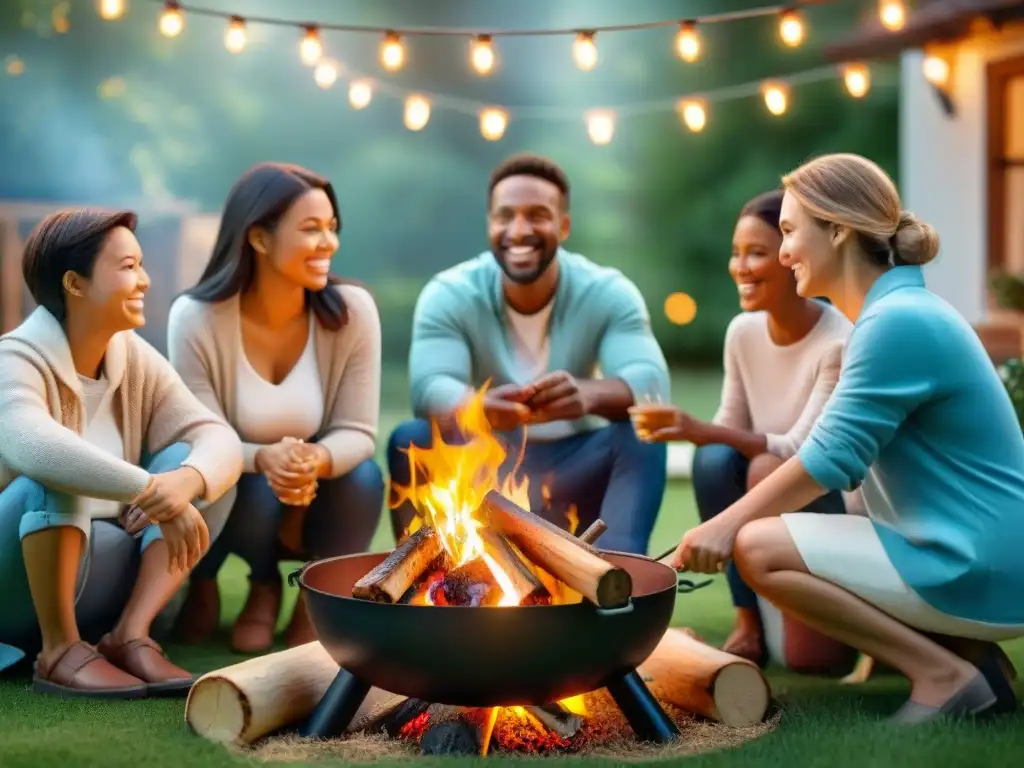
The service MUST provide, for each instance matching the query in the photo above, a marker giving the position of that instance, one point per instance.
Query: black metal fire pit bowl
(487, 656)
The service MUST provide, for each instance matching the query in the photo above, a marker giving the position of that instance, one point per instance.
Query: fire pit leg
(642, 710)
(336, 709)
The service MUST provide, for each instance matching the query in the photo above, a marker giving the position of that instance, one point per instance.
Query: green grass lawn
(823, 724)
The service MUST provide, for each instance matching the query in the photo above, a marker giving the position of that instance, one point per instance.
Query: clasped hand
(553, 397)
(292, 468)
(168, 501)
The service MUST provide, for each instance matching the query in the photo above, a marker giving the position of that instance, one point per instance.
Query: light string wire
(635, 109)
(710, 18)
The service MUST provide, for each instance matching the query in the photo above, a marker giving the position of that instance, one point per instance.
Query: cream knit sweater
(42, 417)
(203, 340)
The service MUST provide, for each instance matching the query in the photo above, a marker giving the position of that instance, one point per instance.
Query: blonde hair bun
(915, 242)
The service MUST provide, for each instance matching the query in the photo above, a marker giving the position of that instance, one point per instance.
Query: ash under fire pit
(482, 657)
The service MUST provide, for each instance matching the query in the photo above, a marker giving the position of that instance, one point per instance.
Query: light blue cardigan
(920, 406)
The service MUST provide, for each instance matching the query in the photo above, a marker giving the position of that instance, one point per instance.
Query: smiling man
(567, 347)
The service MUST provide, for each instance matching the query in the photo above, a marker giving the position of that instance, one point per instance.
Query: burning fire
(457, 478)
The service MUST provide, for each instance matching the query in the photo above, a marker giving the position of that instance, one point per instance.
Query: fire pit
(486, 604)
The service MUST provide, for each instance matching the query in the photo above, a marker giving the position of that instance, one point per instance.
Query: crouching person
(104, 457)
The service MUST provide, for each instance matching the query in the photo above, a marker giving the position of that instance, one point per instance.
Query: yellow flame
(458, 477)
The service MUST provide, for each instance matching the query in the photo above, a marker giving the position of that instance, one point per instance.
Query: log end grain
(614, 588)
(219, 711)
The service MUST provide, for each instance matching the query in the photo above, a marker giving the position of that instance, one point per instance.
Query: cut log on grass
(246, 701)
(388, 581)
(693, 676)
(560, 553)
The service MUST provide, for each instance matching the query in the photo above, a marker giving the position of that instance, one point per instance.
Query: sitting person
(931, 578)
(291, 357)
(782, 359)
(537, 322)
(83, 400)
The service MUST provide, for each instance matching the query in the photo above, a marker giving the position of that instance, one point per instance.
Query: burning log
(693, 676)
(557, 719)
(522, 580)
(389, 580)
(560, 553)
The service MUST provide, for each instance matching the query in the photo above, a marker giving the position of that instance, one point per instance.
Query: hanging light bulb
(110, 9)
(857, 79)
(481, 54)
(172, 20)
(776, 97)
(325, 74)
(935, 70)
(493, 122)
(310, 48)
(601, 126)
(892, 14)
(392, 52)
(234, 37)
(584, 50)
(688, 42)
(791, 28)
(693, 114)
(417, 113)
(360, 93)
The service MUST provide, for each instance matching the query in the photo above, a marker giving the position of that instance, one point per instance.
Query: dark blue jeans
(341, 520)
(719, 481)
(606, 474)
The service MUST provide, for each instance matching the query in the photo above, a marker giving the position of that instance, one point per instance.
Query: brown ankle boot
(300, 631)
(200, 614)
(254, 628)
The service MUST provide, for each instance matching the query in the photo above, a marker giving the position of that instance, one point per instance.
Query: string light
(360, 93)
(325, 74)
(857, 79)
(892, 14)
(234, 37)
(481, 54)
(493, 122)
(110, 9)
(680, 308)
(310, 47)
(601, 126)
(693, 114)
(584, 50)
(172, 20)
(935, 70)
(392, 52)
(791, 28)
(688, 42)
(417, 113)
(776, 97)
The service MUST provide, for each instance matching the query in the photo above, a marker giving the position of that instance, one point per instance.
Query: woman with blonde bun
(931, 578)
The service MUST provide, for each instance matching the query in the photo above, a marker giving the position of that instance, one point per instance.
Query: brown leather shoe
(254, 628)
(81, 671)
(200, 614)
(145, 659)
(300, 630)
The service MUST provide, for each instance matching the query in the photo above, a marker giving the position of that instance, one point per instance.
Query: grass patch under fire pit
(822, 723)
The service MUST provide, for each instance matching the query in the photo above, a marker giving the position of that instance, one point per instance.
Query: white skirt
(846, 551)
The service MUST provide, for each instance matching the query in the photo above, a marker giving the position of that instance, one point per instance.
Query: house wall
(943, 165)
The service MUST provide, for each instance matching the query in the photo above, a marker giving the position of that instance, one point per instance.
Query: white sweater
(779, 391)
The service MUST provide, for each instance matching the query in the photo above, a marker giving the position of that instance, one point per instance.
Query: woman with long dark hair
(290, 356)
(782, 358)
(105, 462)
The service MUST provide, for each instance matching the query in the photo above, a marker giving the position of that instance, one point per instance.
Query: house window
(1006, 165)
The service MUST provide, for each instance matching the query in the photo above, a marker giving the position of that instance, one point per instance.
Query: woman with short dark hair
(105, 454)
(290, 355)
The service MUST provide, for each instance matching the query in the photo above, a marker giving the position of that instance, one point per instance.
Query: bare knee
(760, 467)
(764, 547)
